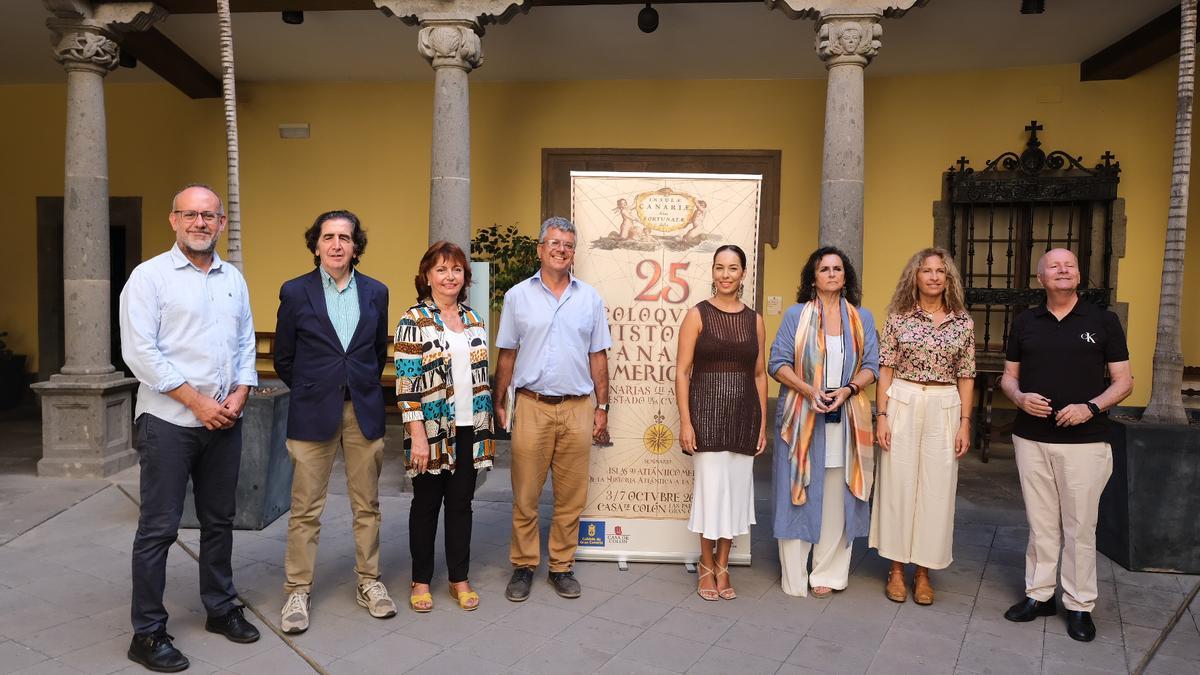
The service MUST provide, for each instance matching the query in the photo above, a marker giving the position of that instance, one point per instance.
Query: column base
(86, 425)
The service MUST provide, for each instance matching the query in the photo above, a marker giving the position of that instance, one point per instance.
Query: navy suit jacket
(309, 358)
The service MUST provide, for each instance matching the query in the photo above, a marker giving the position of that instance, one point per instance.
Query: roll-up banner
(645, 241)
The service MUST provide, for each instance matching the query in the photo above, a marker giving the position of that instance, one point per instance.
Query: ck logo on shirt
(1087, 337)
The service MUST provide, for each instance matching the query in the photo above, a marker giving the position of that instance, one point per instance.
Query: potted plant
(13, 383)
(512, 255)
(1149, 510)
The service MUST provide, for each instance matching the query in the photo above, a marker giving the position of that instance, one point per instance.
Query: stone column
(450, 41)
(848, 33)
(846, 43)
(454, 50)
(87, 407)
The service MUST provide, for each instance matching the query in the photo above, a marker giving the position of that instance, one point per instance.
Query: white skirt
(722, 495)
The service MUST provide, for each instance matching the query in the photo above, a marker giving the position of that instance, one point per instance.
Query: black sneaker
(518, 585)
(564, 584)
(155, 652)
(233, 626)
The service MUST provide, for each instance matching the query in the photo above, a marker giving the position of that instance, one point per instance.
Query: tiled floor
(64, 599)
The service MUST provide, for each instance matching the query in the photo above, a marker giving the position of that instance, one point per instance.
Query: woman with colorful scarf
(824, 355)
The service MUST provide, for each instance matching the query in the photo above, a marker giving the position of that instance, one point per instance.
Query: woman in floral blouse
(923, 422)
(443, 391)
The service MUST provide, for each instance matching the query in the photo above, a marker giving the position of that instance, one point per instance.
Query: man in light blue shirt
(553, 342)
(188, 336)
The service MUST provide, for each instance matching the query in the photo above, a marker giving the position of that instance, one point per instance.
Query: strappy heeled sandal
(728, 593)
(415, 598)
(709, 594)
(464, 597)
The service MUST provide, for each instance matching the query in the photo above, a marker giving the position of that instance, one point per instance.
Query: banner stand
(645, 242)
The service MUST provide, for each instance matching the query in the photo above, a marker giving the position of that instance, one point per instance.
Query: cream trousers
(912, 515)
(1061, 483)
(831, 555)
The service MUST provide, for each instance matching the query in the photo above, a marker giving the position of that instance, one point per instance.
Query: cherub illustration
(629, 222)
(692, 234)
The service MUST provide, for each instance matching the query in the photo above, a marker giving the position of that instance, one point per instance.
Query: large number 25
(649, 293)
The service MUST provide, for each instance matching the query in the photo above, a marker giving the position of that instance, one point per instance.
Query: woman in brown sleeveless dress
(721, 389)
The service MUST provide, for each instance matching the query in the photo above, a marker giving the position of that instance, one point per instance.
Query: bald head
(197, 188)
(1055, 254)
(1058, 270)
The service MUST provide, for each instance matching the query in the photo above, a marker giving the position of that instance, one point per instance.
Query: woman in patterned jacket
(443, 392)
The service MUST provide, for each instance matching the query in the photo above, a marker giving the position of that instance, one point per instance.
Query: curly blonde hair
(906, 296)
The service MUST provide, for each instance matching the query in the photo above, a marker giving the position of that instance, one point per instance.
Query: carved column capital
(81, 45)
(851, 39)
(450, 44)
(84, 36)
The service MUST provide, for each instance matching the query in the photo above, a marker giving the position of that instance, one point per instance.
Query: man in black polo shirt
(1058, 356)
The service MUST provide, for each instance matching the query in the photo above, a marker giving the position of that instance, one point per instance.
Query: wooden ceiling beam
(156, 51)
(1144, 47)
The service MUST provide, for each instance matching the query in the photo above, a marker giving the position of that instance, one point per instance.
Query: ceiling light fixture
(294, 17)
(648, 19)
(1033, 6)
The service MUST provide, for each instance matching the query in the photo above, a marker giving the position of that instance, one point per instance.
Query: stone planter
(264, 488)
(13, 383)
(1150, 508)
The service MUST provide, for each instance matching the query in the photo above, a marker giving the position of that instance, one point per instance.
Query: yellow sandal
(415, 598)
(463, 597)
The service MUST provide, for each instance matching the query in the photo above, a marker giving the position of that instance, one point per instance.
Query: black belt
(552, 400)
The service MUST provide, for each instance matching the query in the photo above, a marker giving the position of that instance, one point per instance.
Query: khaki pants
(912, 517)
(313, 462)
(1061, 483)
(830, 555)
(555, 439)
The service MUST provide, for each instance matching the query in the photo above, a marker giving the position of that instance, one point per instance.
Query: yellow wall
(370, 146)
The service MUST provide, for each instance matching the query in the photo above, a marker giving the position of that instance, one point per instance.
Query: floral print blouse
(425, 386)
(919, 351)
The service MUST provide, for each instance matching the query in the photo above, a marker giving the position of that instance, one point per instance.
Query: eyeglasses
(209, 217)
(558, 244)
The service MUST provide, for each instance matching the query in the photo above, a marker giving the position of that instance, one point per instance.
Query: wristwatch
(1093, 407)
(602, 406)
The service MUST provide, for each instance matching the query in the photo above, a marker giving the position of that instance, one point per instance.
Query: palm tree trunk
(1166, 398)
(233, 237)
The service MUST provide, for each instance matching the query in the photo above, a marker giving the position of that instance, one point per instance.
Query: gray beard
(207, 250)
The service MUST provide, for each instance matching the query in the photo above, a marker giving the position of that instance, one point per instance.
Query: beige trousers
(1061, 483)
(831, 555)
(912, 514)
(554, 439)
(312, 462)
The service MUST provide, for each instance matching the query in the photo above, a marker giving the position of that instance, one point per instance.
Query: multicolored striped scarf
(799, 419)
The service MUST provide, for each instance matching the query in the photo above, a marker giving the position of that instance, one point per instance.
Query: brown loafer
(922, 591)
(895, 590)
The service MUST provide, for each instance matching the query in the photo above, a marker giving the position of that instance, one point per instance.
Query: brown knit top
(723, 398)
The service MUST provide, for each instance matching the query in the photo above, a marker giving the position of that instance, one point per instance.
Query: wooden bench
(264, 356)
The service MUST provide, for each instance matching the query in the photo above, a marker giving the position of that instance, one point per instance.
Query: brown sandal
(922, 590)
(725, 593)
(895, 590)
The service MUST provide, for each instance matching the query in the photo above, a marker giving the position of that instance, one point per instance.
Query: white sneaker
(374, 596)
(295, 614)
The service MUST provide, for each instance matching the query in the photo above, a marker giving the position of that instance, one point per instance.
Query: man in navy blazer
(330, 349)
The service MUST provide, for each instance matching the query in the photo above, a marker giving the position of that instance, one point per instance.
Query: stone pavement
(64, 604)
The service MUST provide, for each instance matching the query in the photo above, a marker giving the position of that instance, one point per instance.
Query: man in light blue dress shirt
(188, 336)
(553, 342)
